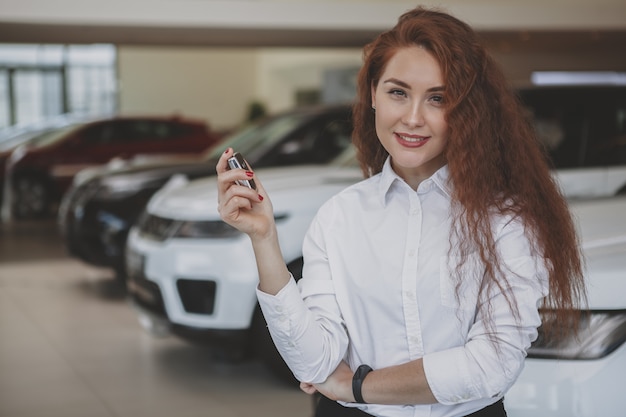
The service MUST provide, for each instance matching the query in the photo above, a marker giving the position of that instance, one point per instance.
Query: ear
(373, 93)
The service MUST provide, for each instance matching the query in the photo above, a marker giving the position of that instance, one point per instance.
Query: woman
(421, 284)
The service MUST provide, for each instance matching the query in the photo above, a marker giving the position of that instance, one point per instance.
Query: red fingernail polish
(227, 149)
(250, 174)
(260, 197)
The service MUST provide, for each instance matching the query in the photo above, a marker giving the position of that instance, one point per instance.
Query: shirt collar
(388, 177)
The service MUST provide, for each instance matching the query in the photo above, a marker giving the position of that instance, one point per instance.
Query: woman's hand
(337, 387)
(247, 210)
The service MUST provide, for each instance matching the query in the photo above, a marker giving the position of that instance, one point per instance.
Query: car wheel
(30, 197)
(262, 341)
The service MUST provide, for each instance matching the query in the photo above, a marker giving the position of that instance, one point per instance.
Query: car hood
(602, 231)
(289, 188)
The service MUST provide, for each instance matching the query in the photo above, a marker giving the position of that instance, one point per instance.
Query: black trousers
(329, 408)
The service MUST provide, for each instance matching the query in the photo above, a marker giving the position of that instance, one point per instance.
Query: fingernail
(250, 174)
(260, 197)
(227, 150)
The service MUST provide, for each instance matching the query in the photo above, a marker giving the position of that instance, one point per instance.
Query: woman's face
(410, 121)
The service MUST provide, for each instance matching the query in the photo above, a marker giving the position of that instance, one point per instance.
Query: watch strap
(357, 382)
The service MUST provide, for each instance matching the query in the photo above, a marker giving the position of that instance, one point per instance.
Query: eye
(397, 92)
(437, 99)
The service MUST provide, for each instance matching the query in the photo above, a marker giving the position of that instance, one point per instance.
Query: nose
(413, 116)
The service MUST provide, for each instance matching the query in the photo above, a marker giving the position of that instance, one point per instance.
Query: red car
(40, 173)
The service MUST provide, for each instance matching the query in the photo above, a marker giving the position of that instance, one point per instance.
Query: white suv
(580, 377)
(191, 273)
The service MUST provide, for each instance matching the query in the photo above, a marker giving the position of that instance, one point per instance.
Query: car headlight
(599, 334)
(216, 229)
(206, 229)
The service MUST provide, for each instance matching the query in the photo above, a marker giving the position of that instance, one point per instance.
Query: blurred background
(93, 90)
(212, 59)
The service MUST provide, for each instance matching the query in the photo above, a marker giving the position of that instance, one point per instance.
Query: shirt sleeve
(493, 356)
(304, 319)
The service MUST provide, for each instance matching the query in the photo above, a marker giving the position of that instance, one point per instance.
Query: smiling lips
(412, 141)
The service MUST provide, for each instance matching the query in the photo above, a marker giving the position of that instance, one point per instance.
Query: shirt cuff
(448, 376)
(280, 296)
(279, 309)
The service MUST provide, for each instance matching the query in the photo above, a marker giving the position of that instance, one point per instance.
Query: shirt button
(412, 253)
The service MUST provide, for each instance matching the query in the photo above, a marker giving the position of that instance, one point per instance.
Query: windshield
(52, 136)
(255, 139)
(26, 137)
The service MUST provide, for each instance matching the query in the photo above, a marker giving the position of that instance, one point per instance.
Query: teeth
(408, 139)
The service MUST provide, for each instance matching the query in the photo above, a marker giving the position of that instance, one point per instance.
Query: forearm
(395, 385)
(400, 384)
(273, 273)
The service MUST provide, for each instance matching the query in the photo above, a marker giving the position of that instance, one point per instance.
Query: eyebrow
(405, 85)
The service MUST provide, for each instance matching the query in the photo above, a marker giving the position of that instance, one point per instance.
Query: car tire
(31, 197)
(264, 347)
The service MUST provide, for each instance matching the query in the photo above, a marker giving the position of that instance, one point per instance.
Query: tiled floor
(71, 346)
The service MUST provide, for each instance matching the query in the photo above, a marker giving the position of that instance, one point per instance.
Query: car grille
(156, 228)
(198, 297)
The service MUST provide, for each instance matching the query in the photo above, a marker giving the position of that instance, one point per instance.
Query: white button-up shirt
(379, 288)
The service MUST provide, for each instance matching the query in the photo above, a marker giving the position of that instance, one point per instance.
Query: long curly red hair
(494, 158)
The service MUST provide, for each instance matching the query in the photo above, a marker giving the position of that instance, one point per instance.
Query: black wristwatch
(357, 382)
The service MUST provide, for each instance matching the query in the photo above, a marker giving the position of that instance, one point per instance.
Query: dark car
(97, 213)
(583, 129)
(28, 135)
(42, 172)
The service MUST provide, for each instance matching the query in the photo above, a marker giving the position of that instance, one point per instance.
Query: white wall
(283, 71)
(218, 84)
(208, 83)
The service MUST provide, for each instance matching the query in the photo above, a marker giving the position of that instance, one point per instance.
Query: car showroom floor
(71, 345)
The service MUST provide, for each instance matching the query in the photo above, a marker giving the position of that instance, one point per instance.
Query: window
(102, 133)
(39, 82)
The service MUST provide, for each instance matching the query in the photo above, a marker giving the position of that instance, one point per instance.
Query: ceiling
(534, 25)
(546, 41)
